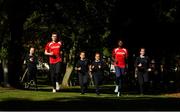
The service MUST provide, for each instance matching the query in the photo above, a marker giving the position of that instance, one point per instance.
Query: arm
(126, 58)
(92, 67)
(77, 67)
(48, 53)
(149, 68)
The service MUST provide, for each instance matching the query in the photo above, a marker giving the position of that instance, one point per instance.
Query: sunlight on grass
(48, 95)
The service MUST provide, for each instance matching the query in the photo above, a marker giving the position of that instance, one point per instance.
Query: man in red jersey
(53, 50)
(119, 56)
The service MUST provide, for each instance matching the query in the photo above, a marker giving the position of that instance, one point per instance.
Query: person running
(82, 67)
(53, 50)
(97, 69)
(119, 56)
(142, 65)
(31, 60)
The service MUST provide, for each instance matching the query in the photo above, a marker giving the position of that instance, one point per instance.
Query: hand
(149, 69)
(115, 61)
(77, 68)
(51, 54)
(93, 66)
(99, 66)
(31, 59)
(139, 65)
(135, 75)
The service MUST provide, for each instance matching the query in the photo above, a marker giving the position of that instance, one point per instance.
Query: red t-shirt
(120, 55)
(54, 47)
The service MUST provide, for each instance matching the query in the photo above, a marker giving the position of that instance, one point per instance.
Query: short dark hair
(120, 41)
(31, 46)
(82, 52)
(54, 33)
(97, 53)
(142, 48)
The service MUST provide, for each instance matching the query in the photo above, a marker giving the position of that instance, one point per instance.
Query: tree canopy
(89, 25)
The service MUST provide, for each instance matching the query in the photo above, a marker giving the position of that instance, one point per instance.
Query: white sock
(116, 89)
(57, 86)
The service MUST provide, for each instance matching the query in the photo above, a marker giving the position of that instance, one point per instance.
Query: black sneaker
(82, 93)
(98, 93)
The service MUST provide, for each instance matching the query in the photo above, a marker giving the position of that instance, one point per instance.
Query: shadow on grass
(88, 103)
(105, 89)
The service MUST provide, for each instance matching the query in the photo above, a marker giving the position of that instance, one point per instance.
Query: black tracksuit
(83, 74)
(142, 73)
(98, 73)
(31, 62)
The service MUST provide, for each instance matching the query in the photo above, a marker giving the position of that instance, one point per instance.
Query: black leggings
(142, 80)
(98, 79)
(55, 70)
(31, 73)
(83, 81)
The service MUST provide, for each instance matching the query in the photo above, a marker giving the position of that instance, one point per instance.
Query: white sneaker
(54, 91)
(57, 86)
(116, 89)
(119, 94)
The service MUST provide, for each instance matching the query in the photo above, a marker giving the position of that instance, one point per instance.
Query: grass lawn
(70, 99)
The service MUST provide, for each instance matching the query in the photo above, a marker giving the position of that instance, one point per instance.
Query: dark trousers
(143, 81)
(31, 74)
(83, 81)
(98, 79)
(55, 73)
(119, 76)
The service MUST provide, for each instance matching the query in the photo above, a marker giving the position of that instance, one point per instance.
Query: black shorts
(55, 68)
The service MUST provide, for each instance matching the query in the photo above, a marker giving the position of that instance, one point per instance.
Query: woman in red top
(53, 50)
(119, 57)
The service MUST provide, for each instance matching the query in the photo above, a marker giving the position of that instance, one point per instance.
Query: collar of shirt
(97, 60)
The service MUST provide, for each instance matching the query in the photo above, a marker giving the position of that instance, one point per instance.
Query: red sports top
(54, 47)
(120, 55)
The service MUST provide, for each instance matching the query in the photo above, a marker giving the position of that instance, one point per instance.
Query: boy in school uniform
(97, 69)
(82, 67)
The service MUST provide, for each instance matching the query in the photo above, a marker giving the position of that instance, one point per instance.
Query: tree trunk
(70, 63)
(5, 72)
(65, 82)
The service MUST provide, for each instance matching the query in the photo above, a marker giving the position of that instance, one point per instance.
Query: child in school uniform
(97, 69)
(31, 61)
(82, 67)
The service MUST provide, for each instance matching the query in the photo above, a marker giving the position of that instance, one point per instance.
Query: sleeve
(96, 68)
(47, 47)
(113, 52)
(126, 57)
(92, 64)
(77, 64)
